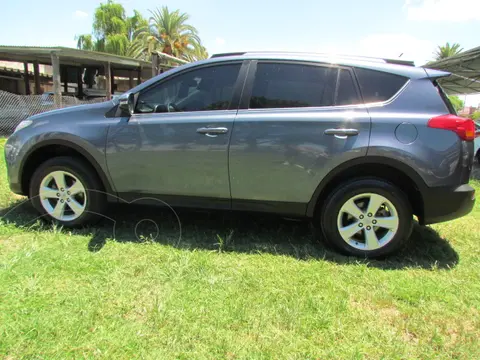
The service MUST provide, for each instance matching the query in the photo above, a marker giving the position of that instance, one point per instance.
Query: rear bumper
(443, 204)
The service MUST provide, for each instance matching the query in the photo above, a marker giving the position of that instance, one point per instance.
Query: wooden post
(80, 82)
(26, 78)
(57, 85)
(112, 76)
(139, 75)
(65, 79)
(154, 65)
(108, 81)
(130, 79)
(36, 76)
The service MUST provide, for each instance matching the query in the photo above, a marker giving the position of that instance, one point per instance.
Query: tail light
(465, 128)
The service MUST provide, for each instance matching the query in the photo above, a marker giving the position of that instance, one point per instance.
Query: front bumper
(12, 151)
(443, 204)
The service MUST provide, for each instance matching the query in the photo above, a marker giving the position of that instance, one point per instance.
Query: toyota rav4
(358, 145)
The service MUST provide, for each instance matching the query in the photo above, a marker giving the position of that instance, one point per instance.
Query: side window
(346, 91)
(209, 88)
(378, 86)
(292, 85)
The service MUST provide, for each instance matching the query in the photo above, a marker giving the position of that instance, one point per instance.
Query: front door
(297, 121)
(176, 143)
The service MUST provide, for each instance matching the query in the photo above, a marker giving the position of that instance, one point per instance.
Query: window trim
(236, 94)
(445, 98)
(250, 80)
(356, 85)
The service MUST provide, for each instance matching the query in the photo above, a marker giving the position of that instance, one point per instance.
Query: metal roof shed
(465, 69)
(62, 59)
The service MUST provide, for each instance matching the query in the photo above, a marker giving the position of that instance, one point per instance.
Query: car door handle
(212, 131)
(341, 132)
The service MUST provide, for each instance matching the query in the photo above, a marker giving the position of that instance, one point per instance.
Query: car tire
(80, 202)
(379, 234)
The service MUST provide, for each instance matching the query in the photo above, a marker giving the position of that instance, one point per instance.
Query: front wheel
(67, 190)
(366, 218)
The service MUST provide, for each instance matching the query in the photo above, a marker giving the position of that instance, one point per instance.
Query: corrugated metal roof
(465, 69)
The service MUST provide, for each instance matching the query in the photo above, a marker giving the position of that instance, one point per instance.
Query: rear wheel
(367, 218)
(67, 190)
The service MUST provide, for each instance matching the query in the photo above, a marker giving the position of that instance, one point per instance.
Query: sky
(410, 29)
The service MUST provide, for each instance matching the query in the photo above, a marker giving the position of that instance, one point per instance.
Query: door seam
(231, 134)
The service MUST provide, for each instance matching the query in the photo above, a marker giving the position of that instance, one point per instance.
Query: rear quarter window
(378, 86)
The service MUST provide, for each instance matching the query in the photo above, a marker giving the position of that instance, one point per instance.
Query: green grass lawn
(233, 286)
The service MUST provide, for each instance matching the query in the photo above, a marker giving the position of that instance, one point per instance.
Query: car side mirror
(127, 104)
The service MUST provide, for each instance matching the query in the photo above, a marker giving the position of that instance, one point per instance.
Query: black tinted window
(208, 88)
(291, 85)
(346, 92)
(378, 86)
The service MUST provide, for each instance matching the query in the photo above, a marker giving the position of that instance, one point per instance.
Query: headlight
(23, 124)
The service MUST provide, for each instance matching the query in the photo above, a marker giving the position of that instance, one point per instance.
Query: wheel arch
(45, 150)
(393, 171)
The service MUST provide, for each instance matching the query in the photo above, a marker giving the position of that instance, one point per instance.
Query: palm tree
(199, 53)
(169, 33)
(447, 50)
(143, 45)
(134, 23)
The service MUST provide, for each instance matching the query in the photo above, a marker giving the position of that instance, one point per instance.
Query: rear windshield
(377, 86)
(445, 98)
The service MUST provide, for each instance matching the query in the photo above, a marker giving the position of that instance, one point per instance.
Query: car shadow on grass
(224, 231)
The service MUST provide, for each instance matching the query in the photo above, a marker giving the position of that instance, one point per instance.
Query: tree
(168, 32)
(113, 31)
(134, 23)
(456, 102)
(85, 42)
(165, 31)
(475, 115)
(199, 53)
(447, 50)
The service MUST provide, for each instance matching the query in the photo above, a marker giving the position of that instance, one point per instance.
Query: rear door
(297, 121)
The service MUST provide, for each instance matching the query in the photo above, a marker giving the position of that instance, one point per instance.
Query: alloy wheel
(63, 196)
(367, 221)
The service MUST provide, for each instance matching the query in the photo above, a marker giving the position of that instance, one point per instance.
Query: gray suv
(358, 145)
